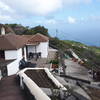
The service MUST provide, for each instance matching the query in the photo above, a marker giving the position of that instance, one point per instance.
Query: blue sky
(74, 19)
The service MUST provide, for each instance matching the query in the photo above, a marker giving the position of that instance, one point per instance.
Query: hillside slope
(90, 55)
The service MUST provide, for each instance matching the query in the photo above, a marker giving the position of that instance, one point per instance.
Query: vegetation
(74, 43)
(54, 61)
(59, 44)
(89, 54)
(19, 29)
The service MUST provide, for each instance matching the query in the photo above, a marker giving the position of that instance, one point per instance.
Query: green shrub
(54, 61)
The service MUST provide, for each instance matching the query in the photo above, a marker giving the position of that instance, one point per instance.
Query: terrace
(41, 84)
(34, 84)
(10, 89)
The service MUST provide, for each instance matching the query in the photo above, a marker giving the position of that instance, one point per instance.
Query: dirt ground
(94, 93)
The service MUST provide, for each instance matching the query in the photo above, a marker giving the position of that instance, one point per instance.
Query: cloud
(5, 12)
(4, 7)
(18, 9)
(71, 20)
(38, 7)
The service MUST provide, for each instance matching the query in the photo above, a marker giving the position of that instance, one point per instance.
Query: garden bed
(40, 78)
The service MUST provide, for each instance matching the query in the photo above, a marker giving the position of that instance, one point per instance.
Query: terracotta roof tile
(27, 36)
(11, 42)
(37, 38)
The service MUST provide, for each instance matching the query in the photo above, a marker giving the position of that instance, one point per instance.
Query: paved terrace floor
(10, 90)
(41, 62)
(75, 70)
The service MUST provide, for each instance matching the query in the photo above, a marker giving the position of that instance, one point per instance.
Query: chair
(30, 55)
(39, 54)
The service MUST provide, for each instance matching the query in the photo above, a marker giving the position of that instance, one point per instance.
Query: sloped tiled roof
(27, 36)
(11, 42)
(37, 38)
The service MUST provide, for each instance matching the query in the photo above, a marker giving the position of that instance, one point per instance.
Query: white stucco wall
(14, 54)
(13, 67)
(42, 47)
(10, 54)
(19, 54)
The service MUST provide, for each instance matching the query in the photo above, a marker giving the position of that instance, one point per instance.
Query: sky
(77, 20)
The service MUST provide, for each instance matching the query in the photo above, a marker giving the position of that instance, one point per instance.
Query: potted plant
(55, 63)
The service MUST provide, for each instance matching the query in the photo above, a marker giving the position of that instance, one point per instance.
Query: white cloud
(16, 9)
(4, 18)
(5, 12)
(5, 7)
(38, 7)
(71, 20)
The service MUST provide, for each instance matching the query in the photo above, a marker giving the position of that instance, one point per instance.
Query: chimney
(2, 30)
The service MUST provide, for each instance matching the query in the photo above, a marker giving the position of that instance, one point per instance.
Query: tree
(40, 29)
(20, 29)
(35, 30)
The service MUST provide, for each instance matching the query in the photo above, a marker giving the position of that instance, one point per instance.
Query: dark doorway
(2, 54)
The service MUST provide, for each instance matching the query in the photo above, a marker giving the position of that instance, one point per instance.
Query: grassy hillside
(90, 55)
(78, 44)
(74, 43)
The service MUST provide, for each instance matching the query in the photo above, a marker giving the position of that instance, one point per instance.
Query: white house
(12, 50)
(37, 44)
(13, 47)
